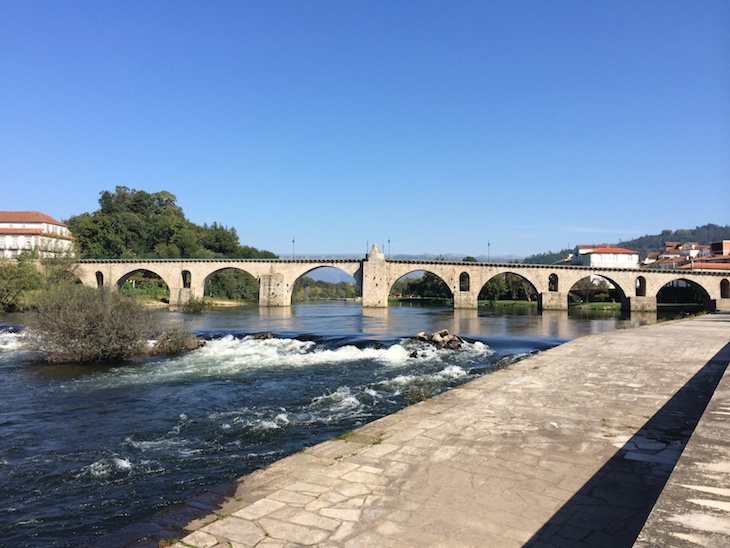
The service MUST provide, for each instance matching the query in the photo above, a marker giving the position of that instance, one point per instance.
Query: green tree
(221, 240)
(493, 289)
(16, 282)
(428, 286)
(232, 284)
(585, 287)
(133, 223)
(309, 289)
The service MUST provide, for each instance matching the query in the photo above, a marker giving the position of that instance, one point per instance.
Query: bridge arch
(516, 285)
(120, 281)
(685, 288)
(228, 282)
(613, 285)
(724, 289)
(296, 289)
(430, 276)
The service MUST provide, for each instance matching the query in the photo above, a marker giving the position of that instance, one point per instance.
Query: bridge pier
(375, 286)
(466, 300)
(642, 304)
(273, 290)
(722, 305)
(552, 300)
(179, 296)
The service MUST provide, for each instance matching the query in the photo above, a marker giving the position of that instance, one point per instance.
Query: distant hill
(702, 234)
(455, 257)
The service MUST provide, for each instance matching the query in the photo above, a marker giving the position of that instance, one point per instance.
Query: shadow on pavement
(612, 507)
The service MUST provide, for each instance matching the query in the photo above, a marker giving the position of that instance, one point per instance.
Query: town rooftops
(613, 249)
(27, 217)
(706, 264)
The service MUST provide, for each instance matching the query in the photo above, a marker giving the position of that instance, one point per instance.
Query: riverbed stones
(441, 339)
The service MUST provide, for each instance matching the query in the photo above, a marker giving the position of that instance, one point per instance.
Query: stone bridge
(186, 278)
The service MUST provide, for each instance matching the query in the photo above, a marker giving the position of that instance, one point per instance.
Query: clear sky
(438, 125)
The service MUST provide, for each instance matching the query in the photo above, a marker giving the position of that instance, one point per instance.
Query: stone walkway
(571, 447)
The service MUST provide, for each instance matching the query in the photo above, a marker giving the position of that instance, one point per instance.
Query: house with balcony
(33, 232)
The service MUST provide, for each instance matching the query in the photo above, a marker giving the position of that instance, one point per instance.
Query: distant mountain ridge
(705, 235)
(455, 257)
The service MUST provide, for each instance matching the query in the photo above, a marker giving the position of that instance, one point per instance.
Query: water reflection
(348, 318)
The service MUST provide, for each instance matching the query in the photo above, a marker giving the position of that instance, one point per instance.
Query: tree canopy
(133, 223)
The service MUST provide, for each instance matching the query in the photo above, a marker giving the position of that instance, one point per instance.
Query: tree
(493, 289)
(586, 287)
(233, 284)
(16, 281)
(220, 239)
(133, 223)
(428, 286)
(308, 289)
(469, 259)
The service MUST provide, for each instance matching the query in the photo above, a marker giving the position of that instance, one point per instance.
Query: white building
(605, 256)
(29, 231)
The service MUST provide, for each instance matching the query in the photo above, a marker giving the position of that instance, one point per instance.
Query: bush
(74, 323)
(196, 306)
(175, 341)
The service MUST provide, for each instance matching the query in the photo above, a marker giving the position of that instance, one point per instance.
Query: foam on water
(108, 467)
(10, 341)
(231, 356)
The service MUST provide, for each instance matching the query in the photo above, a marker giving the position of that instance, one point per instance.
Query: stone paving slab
(694, 507)
(570, 447)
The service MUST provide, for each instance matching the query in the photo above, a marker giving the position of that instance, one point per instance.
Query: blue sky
(438, 125)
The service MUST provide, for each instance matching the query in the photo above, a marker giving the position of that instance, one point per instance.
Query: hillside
(705, 234)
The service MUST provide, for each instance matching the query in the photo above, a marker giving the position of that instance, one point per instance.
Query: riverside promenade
(592, 443)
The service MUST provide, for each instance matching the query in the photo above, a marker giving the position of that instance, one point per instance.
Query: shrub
(196, 306)
(74, 323)
(175, 341)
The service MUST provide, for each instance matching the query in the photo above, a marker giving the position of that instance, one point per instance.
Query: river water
(86, 450)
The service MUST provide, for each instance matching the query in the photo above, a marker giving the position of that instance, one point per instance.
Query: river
(86, 450)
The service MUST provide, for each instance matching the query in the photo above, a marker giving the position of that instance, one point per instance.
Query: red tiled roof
(708, 265)
(616, 250)
(27, 217)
